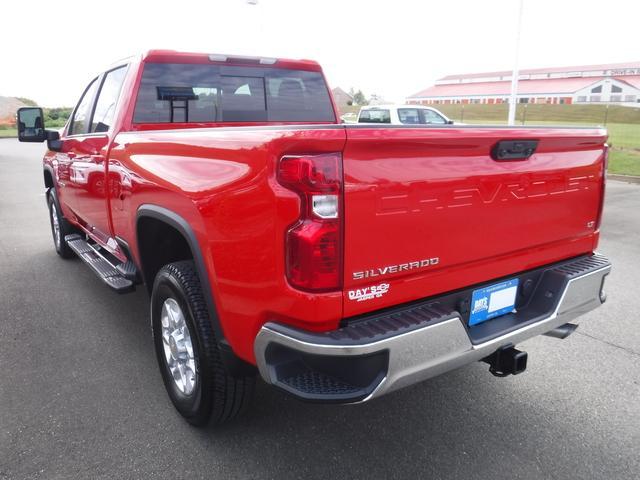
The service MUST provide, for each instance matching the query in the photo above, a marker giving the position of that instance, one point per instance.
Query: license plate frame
(493, 301)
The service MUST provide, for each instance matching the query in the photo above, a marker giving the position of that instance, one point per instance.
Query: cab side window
(82, 114)
(107, 99)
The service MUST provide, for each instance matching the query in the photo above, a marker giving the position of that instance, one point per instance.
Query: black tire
(64, 228)
(216, 396)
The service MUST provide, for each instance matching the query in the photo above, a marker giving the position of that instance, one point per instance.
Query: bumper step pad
(352, 378)
(582, 266)
(113, 276)
(317, 383)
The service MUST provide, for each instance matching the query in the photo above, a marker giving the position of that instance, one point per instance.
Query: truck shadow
(465, 424)
(456, 426)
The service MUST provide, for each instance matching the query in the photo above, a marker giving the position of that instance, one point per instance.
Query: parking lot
(81, 395)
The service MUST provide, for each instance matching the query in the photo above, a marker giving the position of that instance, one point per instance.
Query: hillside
(8, 107)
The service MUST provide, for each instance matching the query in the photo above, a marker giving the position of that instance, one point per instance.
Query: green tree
(56, 117)
(359, 98)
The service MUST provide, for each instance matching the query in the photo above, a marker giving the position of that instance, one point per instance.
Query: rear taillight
(314, 242)
(605, 166)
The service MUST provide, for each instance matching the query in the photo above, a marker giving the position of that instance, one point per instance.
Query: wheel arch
(148, 214)
(150, 218)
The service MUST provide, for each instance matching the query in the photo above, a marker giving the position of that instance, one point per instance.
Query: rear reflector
(605, 167)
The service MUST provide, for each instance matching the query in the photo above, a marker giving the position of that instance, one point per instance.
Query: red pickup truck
(343, 261)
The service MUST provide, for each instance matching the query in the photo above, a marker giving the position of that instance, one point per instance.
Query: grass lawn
(623, 125)
(624, 162)
(624, 135)
(624, 139)
(11, 132)
(537, 113)
(621, 135)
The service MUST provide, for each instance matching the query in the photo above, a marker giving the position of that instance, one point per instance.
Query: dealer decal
(368, 293)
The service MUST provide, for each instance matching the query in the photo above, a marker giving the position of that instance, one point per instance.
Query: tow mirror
(31, 125)
(31, 128)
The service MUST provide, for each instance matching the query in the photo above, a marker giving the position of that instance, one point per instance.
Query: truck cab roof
(173, 56)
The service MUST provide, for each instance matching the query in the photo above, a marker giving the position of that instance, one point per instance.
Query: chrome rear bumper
(388, 351)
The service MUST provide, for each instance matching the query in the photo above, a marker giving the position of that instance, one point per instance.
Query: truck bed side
(222, 182)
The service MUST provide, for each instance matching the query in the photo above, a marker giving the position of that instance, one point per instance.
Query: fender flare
(48, 169)
(235, 365)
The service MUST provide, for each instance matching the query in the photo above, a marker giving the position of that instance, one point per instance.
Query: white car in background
(402, 115)
(349, 117)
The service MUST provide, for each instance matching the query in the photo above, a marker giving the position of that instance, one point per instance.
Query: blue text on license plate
(493, 301)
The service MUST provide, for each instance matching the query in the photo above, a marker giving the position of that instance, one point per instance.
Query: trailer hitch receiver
(507, 360)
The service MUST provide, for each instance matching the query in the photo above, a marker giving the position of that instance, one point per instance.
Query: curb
(623, 178)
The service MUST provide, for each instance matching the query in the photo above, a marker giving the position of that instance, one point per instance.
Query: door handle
(506, 150)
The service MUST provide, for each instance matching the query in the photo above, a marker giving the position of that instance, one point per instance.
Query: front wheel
(60, 228)
(188, 352)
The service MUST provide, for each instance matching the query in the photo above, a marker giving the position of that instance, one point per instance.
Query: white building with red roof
(617, 83)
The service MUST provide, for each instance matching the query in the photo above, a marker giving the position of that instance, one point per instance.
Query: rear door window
(107, 99)
(409, 116)
(193, 93)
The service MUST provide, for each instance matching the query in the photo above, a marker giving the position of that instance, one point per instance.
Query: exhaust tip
(563, 331)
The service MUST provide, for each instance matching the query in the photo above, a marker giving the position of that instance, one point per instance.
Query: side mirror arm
(53, 140)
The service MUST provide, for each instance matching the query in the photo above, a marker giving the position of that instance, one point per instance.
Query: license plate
(493, 301)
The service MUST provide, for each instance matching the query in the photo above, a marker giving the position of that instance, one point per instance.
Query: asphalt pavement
(81, 395)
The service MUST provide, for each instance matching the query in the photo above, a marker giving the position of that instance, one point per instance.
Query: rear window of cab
(193, 93)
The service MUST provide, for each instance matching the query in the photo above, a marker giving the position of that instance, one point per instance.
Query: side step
(119, 277)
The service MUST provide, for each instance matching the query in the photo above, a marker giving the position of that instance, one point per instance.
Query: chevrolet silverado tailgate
(431, 210)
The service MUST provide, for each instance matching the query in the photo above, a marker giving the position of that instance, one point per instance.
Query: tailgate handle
(513, 149)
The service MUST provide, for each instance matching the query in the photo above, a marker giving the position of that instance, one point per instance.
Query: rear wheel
(188, 353)
(60, 228)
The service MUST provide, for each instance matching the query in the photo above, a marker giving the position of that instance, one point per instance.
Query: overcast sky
(392, 48)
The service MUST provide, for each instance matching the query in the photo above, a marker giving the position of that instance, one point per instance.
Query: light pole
(514, 75)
